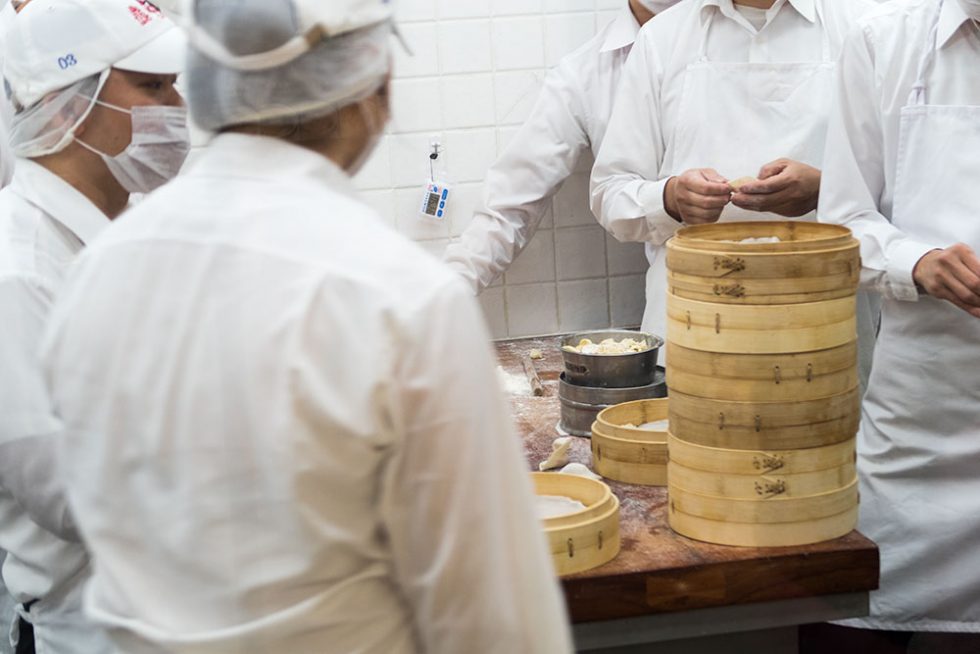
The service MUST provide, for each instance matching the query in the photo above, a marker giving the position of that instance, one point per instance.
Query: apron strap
(826, 51)
(917, 97)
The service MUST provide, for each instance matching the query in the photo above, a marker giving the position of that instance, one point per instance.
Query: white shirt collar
(806, 8)
(59, 199)
(622, 31)
(261, 157)
(950, 21)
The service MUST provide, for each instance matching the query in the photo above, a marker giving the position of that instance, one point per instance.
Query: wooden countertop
(658, 570)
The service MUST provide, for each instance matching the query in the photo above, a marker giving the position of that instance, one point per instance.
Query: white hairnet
(336, 72)
(49, 125)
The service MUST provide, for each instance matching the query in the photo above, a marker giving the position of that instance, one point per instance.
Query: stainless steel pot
(581, 404)
(611, 370)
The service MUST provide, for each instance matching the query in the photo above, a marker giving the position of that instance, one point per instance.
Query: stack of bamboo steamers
(762, 370)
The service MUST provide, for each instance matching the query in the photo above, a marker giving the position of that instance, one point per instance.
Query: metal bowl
(611, 370)
(581, 404)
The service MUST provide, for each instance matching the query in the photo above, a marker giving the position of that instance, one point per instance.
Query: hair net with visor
(334, 73)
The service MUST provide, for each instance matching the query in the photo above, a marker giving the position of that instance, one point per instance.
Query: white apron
(920, 432)
(736, 117)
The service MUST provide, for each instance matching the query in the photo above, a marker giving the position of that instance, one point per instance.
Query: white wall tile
(415, 105)
(531, 309)
(518, 43)
(469, 153)
(494, 311)
(465, 200)
(504, 136)
(581, 252)
(376, 173)
(410, 159)
(564, 33)
(515, 7)
(424, 60)
(464, 46)
(583, 305)
(625, 258)
(572, 202)
(411, 222)
(409, 10)
(515, 95)
(627, 299)
(468, 101)
(463, 8)
(559, 6)
(536, 263)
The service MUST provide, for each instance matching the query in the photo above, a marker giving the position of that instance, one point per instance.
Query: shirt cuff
(662, 224)
(902, 258)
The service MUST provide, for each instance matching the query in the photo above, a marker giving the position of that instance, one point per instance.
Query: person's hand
(697, 196)
(785, 187)
(953, 275)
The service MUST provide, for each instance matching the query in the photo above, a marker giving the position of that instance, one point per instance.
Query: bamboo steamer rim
(787, 534)
(587, 545)
(795, 236)
(608, 423)
(594, 494)
(761, 462)
(838, 308)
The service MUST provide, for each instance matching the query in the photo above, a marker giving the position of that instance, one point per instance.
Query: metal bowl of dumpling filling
(610, 358)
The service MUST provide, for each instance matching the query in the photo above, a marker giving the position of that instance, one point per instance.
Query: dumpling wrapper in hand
(737, 184)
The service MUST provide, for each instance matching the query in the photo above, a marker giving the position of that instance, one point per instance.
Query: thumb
(712, 175)
(773, 169)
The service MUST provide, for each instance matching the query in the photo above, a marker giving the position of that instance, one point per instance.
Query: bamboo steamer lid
(761, 487)
(585, 539)
(630, 454)
(761, 329)
(783, 377)
(765, 425)
(784, 534)
(760, 462)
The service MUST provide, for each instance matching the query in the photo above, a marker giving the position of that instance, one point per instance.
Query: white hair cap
(244, 65)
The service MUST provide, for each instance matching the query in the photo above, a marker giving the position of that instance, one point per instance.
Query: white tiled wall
(477, 70)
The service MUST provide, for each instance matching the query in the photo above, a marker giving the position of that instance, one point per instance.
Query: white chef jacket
(44, 223)
(627, 187)
(296, 442)
(918, 449)
(569, 120)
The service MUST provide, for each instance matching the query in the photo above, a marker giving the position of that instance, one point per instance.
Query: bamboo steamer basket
(760, 462)
(761, 487)
(765, 511)
(764, 291)
(630, 454)
(761, 329)
(749, 534)
(765, 425)
(811, 263)
(584, 539)
(784, 377)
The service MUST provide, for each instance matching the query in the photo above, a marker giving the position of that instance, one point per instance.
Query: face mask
(657, 6)
(159, 146)
(972, 8)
